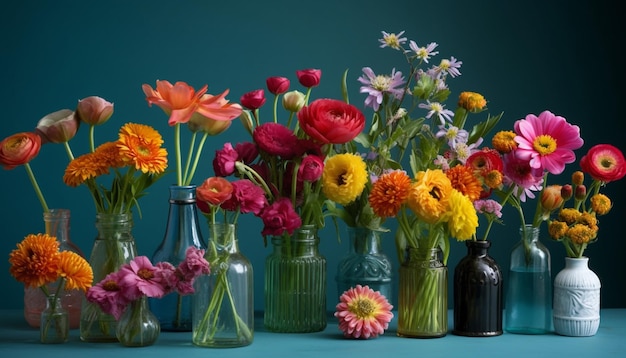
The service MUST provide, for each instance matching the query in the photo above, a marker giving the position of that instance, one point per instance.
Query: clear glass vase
(113, 247)
(57, 224)
(138, 326)
(423, 295)
(365, 264)
(295, 284)
(182, 231)
(528, 298)
(223, 302)
(54, 324)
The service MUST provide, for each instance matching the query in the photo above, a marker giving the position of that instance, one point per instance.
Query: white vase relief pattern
(576, 309)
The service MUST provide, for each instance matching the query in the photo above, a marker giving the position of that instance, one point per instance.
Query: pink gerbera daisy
(107, 294)
(547, 141)
(139, 277)
(363, 313)
(518, 172)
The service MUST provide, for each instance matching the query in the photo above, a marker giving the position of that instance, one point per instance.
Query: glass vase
(54, 324)
(423, 295)
(295, 284)
(182, 231)
(113, 247)
(138, 326)
(223, 302)
(477, 293)
(365, 264)
(528, 298)
(57, 224)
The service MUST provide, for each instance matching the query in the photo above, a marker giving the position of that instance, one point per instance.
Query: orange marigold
(581, 234)
(140, 145)
(389, 193)
(504, 141)
(601, 204)
(472, 101)
(462, 179)
(76, 271)
(557, 229)
(35, 262)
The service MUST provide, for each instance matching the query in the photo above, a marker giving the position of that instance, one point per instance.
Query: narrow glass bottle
(528, 299)
(54, 326)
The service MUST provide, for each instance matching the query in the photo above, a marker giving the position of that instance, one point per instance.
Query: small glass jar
(54, 326)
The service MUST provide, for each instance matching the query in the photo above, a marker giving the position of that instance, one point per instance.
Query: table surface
(17, 339)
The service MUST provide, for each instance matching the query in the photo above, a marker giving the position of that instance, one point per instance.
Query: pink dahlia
(548, 141)
(363, 313)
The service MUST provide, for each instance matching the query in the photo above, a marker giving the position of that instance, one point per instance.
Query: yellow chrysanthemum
(504, 141)
(35, 262)
(581, 234)
(569, 215)
(557, 229)
(83, 168)
(344, 178)
(588, 219)
(601, 204)
(462, 218)
(389, 193)
(76, 271)
(428, 198)
(472, 101)
(463, 180)
(140, 145)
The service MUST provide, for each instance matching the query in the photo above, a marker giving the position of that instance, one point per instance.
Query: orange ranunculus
(58, 127)
(214, 190)
(331, 121)
(19, 149)
(94, 110)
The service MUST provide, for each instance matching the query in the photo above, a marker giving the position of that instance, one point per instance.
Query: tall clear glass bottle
(182, 231)
(528, 298)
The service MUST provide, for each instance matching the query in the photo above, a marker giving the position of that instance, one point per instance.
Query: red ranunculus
(19, 149)
(309, 77)
(247, 152)
(311, 168)
(247, 198)
(253, 99)
(224, 161)
(331, 121)
(276, 139)
(280, 217)
(277, 85)
(214, 190)
(604, 162)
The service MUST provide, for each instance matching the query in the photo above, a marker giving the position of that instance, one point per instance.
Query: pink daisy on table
(363, 313)
(547, 141)
(108, 295)
(139, 277)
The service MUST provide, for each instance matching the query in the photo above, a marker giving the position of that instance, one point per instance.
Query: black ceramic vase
(477, 293)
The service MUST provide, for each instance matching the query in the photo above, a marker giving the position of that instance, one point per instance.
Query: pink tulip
(253, 99)
(58, 127)
(277, 85)
(94, 110)
(309, 77)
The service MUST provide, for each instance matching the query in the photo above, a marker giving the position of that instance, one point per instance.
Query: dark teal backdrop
(524, 57)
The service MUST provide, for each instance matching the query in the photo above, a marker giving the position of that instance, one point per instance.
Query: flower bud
(94, 110)
(472, 101)
(581, 192)
(293, 101)
(253, 99)
(578, 177)
(566, 192)
(551, 198)
(309, 77)
(247, 122)
(58, 127)
(277, 85)
(198, 122)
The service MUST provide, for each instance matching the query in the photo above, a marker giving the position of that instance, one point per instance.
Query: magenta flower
(279, 217)
(253, 99)
(276, 139)
(107, 294)
(311, 168)
(277, 85)
(309, 77)
(604, 162)
(138, 278)
(246, 197)
(224, 161)
(547, 141)
(194, 264)
(518, 172)
(247, 152)
(363, 313)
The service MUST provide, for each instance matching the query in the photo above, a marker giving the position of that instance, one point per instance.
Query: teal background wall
(524, 57)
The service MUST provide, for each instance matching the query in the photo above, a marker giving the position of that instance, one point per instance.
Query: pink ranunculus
(19, 149)
(94, 110)
(247, 198)
(331, 121)
(214, 191)
(224, 161)
(247, 152)
(279, 217)
(253, 99)
(58, 127)
(275, 139)
(604, 162)
(277, 85)
(311, 168)
(108, 295)
(194, 264)
(166, 274)
(309, 77)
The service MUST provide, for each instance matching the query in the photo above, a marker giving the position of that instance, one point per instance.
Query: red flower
(309, 77)
(253, 100)
(19, 149)
(311, 168)
(247, 198)
(331, 121)
(280, 217)
(604, 162)
(224, 161)
(276, 139)
(277, 85)
(214, 191)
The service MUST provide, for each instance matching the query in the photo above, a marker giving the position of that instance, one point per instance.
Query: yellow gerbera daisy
(76, 271)
(428, 198)
(344, 178)
(462, 218)
(140, 145)
(35, 262)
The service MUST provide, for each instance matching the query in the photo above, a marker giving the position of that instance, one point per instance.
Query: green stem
(68, 150)
(92, 130)
(179, 174)
(33, 181)
(275, 109)
(189, 156)
(196, 159)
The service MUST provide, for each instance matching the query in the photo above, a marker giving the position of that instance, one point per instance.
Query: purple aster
(437, 109)
(377, 86)
(423, 53)
(450, 66)
(395, 41)
(452, 134)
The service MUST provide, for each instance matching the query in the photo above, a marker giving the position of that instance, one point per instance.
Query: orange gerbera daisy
(75, 270)
(428, 197)
(83, 168)
(35, 262)
(141, 145)
(389, 193)
(463, 180)
(108, 156)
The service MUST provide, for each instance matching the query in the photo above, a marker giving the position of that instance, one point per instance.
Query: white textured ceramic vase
(576, 309)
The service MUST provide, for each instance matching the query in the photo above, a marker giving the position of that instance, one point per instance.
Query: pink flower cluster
(140, 278)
